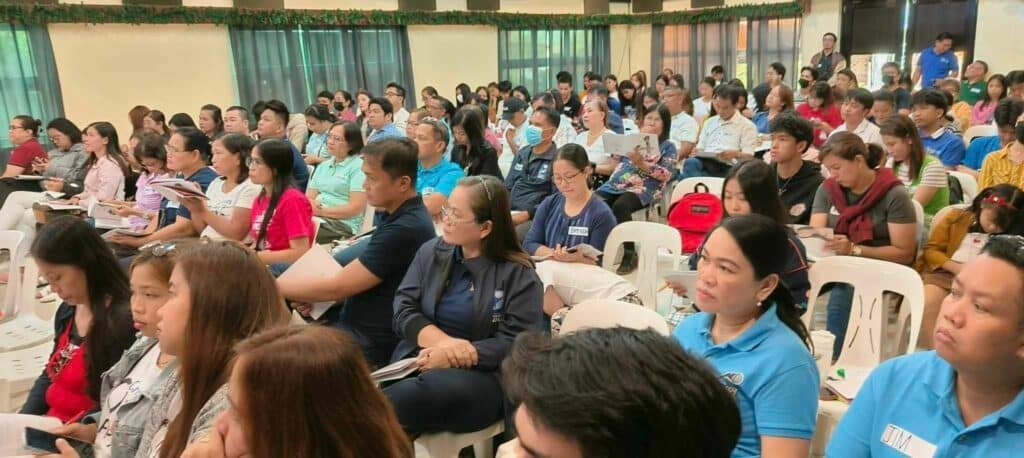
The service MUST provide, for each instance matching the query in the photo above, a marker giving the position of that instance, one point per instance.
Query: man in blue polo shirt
(529, 179)
(379, 115)
(435, 176)
(936, 62)
(929, 108)
(365, 287)
(966, 398)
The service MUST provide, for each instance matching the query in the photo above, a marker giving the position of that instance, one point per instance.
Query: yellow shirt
(961, 111)
(999, 169)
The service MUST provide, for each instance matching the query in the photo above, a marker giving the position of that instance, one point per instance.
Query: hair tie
(999, 202)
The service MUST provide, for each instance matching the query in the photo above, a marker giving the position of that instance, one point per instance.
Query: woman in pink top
(281, 221)
(821, 111)
(985, 108)
(150, 151)
(106, 166)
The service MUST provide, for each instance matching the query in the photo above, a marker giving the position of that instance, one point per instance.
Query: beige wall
(824, 17)
(542, 6)
(445, 56)
(107, 69)
(995, 41)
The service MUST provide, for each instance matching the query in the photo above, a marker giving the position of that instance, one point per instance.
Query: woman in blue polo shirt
(463, 301)
(573, 216)
(750, 331)
(966, 398)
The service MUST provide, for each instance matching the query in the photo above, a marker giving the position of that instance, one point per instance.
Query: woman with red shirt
(281, 220)
(93, 325)
(24, 134)
(822, 111)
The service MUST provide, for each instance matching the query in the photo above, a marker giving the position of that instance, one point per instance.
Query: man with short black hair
(773, 76)
(435, 176)
(379, 115)
(684, 128)
(529, 179)
(856, 107)
(571, 105)
(828, 61)
(365, 287)
(798, 179)
(616, 393)
(728, 135)
(929, 113)
(1015, 84)
(236, 120)
(883, 107)
(272, 122)
(325, 98)
(718, 74)
(936, 62)
(396, 95)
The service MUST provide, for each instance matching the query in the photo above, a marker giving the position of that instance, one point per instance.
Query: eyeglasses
(158, 248)
(336, 138)
(391, 94)
(565, 179)
(448, 216)
(252, 162)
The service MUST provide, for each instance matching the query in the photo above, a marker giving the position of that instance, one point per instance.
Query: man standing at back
(828, 61)
(936, 62)
(366, 285)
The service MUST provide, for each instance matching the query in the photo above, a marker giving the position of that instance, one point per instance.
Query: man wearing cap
(514, 136)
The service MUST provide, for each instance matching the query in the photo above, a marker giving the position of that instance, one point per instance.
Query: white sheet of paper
(623, 145)
(12, 431)
(30, 178)
(395, 371)
(316, 263)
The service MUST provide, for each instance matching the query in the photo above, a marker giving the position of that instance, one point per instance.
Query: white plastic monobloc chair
(11, 242)
(27, 329)
(985, 130)
(603, 313)
(367, 218)
(967, 183)
(870, 278)
(689, 185)
(649, 239)
(447, 445)
(18, 371)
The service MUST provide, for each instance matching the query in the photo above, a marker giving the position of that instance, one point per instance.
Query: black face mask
(803, 83)
(1020, 132)
(338, 106)
(887, 80)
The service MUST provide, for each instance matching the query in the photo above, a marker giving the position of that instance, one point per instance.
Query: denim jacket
(133, 412)
(203, 422)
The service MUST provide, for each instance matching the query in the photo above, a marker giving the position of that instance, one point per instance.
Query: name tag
(543, 172)
(172, 204)
(581, 231)
(906, 442)
(519, 167)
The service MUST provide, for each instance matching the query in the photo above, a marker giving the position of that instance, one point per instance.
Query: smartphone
(41, 441)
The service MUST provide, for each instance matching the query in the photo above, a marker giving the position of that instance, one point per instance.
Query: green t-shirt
(336, 181)
(972, 93)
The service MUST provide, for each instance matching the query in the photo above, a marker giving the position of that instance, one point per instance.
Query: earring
(759, 304)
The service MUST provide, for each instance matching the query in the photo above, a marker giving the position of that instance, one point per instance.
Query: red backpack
(694, 215)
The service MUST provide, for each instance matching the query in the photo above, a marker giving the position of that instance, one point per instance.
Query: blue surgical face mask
(533, 134)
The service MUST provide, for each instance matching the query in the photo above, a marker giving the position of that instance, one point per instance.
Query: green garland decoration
(139, 14)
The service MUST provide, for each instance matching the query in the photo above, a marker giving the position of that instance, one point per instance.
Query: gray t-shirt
(895, 207)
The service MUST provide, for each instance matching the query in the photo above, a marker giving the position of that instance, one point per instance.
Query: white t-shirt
(221, 203)
(139, 379)
(565, 133)
(595, 151)
(684, 128)
(866, 130)
(701, 109)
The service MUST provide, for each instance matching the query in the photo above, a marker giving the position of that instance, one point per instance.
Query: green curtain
(29, 84)
(692, 49)
(772, 40)
(532, 57)
(294, 64)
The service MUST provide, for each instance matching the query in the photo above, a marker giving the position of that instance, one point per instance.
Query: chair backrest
(27, 301)
(919, 217)
(602, 313)
(941, 214)
(649, 238)
(11, 241)
(967, 183)
(869, 279)
(317, 221)
(687, 186)
(985, 130)
(367, 218)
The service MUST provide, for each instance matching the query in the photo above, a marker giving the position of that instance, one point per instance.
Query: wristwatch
(855, 250)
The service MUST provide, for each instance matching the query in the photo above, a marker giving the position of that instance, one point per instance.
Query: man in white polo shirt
(726, 139)
(855, 112)
(684, 128)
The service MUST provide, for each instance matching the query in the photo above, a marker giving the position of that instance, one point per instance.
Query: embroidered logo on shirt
(496, 305)
(732, 381)
(519, 167)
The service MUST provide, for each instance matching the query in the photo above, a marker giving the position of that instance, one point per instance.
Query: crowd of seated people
(483, 209)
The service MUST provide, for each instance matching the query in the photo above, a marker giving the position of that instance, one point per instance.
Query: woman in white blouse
(595, 119)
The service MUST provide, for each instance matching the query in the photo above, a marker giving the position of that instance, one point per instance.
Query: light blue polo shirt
(908, 406)
(336, 181)
(770, 372)
(441, 178)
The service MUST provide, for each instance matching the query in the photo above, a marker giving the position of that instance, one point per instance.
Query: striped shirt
(932, 174)
(999, 169)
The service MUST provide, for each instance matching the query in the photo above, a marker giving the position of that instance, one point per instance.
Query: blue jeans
(840, 302)
(693, 167)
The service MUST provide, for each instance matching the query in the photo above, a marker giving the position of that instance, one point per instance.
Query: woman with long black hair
(281, 221)
(750, 331)
(472, 151)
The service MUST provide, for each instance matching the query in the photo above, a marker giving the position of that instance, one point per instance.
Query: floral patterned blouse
(648, 187)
